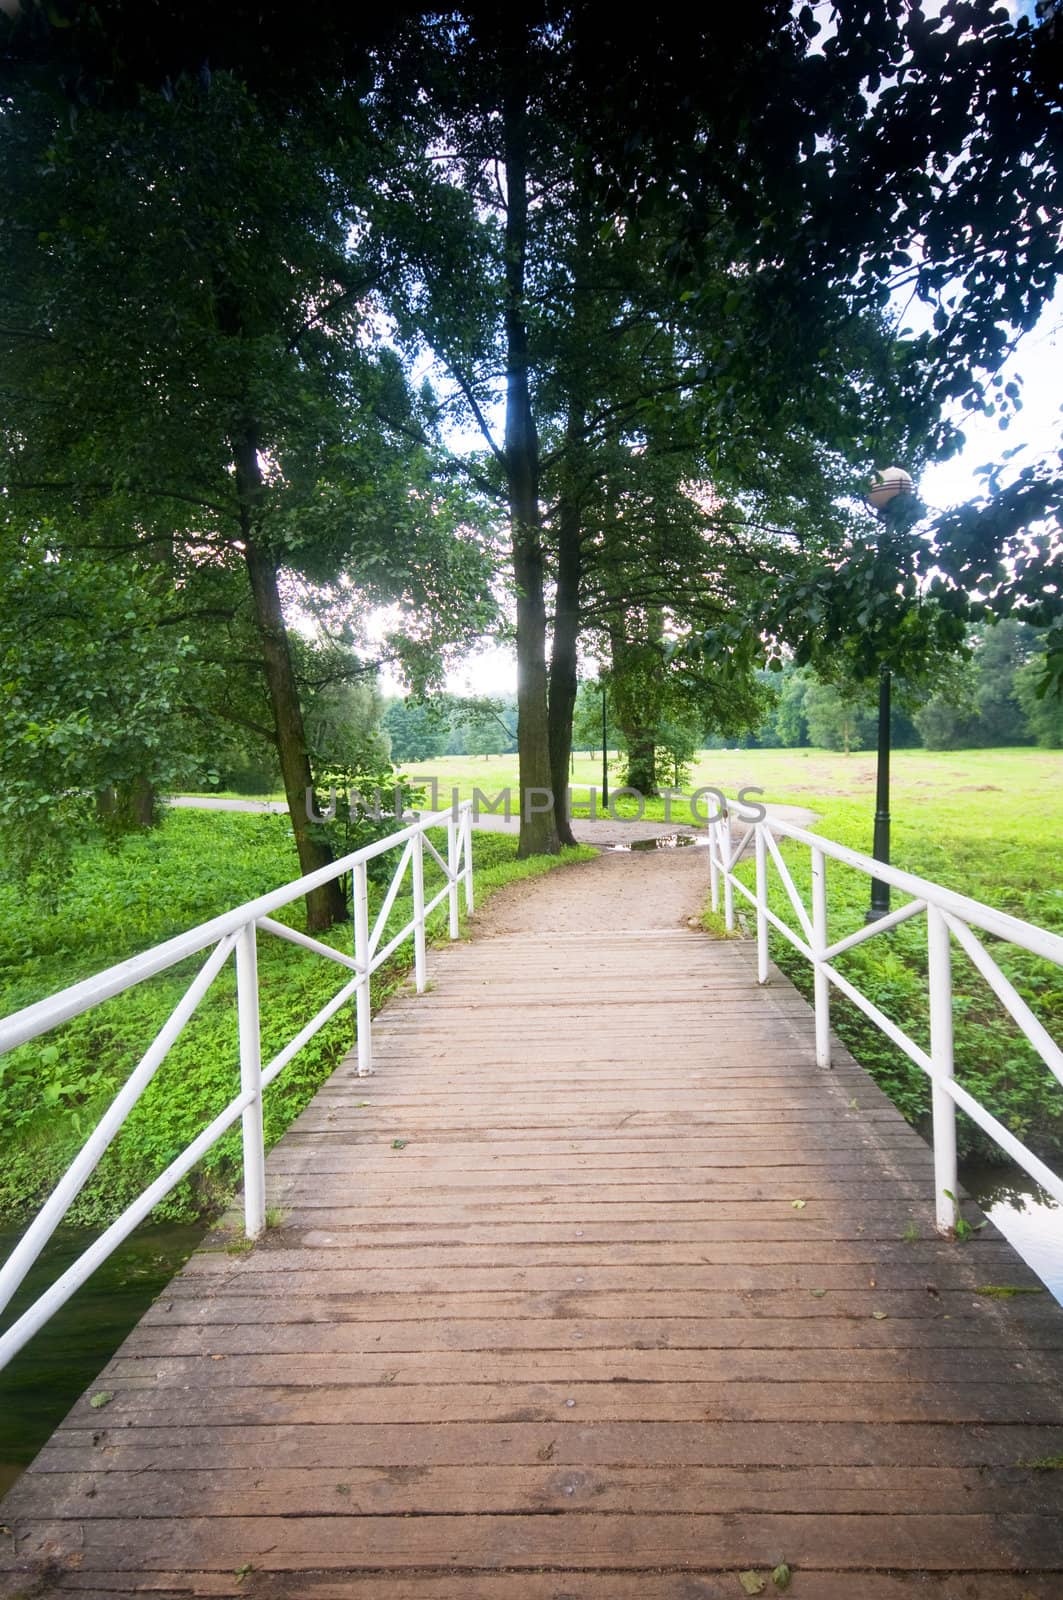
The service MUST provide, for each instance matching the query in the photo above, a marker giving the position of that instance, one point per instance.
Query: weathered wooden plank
(587, 1364)
(581, 1539)
(567, 1245)
(186, 1302)
(560, 1584)
(1039, 1403)
(147, 1446)
(320, 1330)
(257, 1277)
(457, 1488)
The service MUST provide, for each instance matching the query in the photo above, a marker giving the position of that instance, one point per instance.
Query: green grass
(195, 866)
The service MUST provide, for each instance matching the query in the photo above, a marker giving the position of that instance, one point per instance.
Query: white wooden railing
(949, 916)
(236, 932)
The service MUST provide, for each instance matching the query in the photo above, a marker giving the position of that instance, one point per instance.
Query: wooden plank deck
(544, 1322)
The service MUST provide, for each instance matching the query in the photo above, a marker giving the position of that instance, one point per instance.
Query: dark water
(1027, 1217)
(40, 1385)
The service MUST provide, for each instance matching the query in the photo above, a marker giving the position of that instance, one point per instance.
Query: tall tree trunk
(562, 697)
(538, 828)
(641, 761)
(128, 805)
(138, 802)
(325, 905)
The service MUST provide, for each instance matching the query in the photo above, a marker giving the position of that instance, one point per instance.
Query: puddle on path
(664, 841)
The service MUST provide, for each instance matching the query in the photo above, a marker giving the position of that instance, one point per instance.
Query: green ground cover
(195, 866)
(987, 823)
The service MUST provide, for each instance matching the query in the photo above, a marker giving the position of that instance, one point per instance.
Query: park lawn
(116, 903)
(987, 823)
(984, 822)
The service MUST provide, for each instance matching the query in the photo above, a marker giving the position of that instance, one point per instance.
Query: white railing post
(420, 963)
(452, 868)
(251, 1081)
(466, 845)
(728, 865)
(363, 1007)
(821, 982)
(761, 847)
(714, 866)
(943, 1107)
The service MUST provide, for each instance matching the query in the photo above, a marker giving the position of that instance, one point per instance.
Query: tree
(1002, 652)
(606, 231)
(587, 720)
(191, 378)
(679, 737)
(948, 719)
(786, 725)
(978, 703)
(92, 686)
(344, 729)
(1043, 711)
(837, 718)
(416, 732)
(957, 117)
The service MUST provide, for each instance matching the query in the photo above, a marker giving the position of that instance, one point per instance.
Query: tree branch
(103, 490)
(258, 728)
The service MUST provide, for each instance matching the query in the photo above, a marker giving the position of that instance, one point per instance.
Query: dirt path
(618, 890)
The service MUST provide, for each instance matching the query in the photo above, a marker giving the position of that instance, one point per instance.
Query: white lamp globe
(886, 485)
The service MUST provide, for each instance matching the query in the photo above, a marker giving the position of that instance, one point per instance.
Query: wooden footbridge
(599, 1288)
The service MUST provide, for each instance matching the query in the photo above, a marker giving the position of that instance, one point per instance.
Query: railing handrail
(1041, 941)
(33, 1020)
(233, 933)
(948, 915)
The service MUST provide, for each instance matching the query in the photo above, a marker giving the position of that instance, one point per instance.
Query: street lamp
(605, 747)
(891, 495)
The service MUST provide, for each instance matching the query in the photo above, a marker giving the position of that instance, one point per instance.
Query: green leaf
(102, 1397)
(798, 1205)
(781, 1576)
(398, 1144)
(752, 1582)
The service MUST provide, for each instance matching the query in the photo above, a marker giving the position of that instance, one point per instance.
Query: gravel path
(618, 890)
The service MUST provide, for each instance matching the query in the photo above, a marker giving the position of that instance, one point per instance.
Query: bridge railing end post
(821, 982)
(251, 1081)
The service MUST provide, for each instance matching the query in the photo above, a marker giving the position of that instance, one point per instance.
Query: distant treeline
(987, 700)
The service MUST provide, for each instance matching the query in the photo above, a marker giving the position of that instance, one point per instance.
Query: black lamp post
(605, 748)
(891, 494)
(880, 890)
